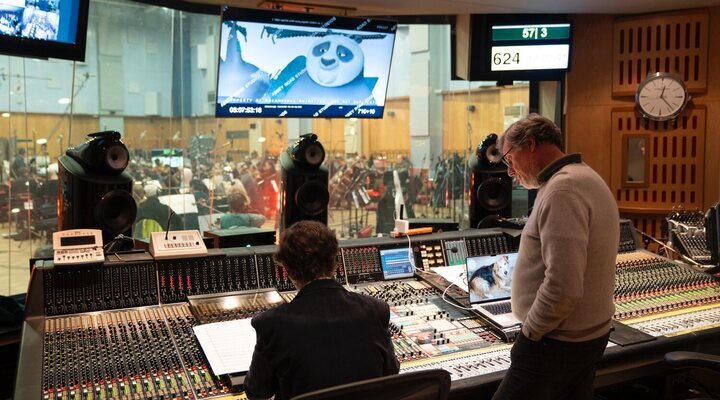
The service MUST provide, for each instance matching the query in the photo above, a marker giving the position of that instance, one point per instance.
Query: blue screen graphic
(275, 64)
(50, 20)
(397, 263)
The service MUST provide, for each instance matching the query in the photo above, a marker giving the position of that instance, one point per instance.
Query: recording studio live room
(386, 200)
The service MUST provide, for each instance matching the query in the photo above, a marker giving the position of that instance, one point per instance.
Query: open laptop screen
(490, 277)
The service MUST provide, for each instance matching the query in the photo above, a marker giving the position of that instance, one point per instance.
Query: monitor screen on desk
(397, 263)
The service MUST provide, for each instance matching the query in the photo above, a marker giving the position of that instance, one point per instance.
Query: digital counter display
(530, 47)
(531, 32)
(77, 240)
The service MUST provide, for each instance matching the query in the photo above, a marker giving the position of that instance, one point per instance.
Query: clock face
(661, 97)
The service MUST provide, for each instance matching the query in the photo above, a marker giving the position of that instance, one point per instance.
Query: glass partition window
(150, 73)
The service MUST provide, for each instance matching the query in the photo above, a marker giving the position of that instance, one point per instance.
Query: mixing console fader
(455, 252)
(647, 284)
(128, 354)
(488, 244)
(216, 274)
(271, 275)
(362, 264)
(82, 288)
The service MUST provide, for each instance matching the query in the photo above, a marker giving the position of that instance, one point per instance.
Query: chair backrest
(431, 384)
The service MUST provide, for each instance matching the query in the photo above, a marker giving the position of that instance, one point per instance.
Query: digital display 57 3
(530, 32)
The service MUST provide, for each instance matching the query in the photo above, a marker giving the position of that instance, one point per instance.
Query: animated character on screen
(492, 280)
(239, 79)
(331, 72)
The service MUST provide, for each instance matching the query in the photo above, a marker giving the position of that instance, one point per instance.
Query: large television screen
(279, 64)
(44, 28)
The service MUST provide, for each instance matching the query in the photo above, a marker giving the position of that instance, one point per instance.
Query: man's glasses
(503, 158)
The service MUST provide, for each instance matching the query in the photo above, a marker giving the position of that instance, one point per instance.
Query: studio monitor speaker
(304, 183)
(93, 190)
(490, 184)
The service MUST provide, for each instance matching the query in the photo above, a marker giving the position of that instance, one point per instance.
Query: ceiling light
(64, 100)
(6, 115)
(261, 139)
(41, 141)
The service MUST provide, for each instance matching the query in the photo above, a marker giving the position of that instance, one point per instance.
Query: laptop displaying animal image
(489, 280)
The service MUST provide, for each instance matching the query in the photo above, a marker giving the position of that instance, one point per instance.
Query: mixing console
(628, 241)
(124, 330)
(647, 284)
(489, 244)
(466, 364)
(362, 264)
(194, 276)
(76, 289)
(230, 307)
(423, 325)
(694, 245)
(678, 322)
(428, 255)
(455, 251)
(123, 354)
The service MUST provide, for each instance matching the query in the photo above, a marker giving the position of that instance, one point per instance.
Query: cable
(453, 304)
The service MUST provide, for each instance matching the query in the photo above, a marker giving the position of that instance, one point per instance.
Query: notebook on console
(489, 280)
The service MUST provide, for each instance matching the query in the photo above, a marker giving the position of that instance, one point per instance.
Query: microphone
(167, 228)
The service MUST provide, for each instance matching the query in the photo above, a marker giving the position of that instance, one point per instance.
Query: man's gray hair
(543, 129)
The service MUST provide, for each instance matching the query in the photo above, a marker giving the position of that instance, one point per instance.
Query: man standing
(564, 277)
(326, 336)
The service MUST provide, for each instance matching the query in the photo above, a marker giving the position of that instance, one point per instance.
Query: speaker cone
(312, 198)
(117, 157)
(314, 154)
(116, 211)
(493, 194)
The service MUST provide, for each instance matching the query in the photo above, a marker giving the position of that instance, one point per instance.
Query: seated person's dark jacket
(325, 337)
(153, 209)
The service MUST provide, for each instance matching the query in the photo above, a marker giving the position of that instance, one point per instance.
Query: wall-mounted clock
(661, 96)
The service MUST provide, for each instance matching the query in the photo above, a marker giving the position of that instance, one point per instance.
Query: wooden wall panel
(391, 134)
(331, 133)
(470, 115)
(676, 42)
(31, 127)
(676, 153)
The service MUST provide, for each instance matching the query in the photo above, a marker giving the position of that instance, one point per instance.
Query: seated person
(152, 215)
(326, 336)
(240, 215)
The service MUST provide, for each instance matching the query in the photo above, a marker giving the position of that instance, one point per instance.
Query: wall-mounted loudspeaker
(94, 192)
(490, 185)
(304, 182)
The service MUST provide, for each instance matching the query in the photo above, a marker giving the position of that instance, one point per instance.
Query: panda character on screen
(332, 71)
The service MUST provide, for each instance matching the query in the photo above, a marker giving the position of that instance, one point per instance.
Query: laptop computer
(489, 280)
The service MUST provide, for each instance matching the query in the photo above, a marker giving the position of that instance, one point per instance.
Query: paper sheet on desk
(227, 345)
(453, 274)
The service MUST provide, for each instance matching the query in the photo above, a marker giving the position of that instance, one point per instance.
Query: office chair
(690, 359)
(432, 384)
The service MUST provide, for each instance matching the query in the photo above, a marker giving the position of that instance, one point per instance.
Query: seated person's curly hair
(307, 251)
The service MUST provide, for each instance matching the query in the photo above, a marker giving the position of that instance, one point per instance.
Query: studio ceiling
(446, 7)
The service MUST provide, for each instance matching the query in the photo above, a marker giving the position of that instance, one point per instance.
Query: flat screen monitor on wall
(44, 28)
(511, 47)
(279, 64)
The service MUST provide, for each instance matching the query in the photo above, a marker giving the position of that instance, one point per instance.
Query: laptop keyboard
(498, 308)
